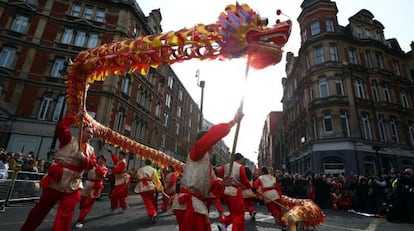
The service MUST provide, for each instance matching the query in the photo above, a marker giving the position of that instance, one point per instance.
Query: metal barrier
(24, 186)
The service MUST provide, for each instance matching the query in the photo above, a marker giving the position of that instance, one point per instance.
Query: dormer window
(329, 25)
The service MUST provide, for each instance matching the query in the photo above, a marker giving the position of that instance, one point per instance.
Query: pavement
(135, 218)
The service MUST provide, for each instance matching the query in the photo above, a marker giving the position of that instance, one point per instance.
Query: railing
(24, 186)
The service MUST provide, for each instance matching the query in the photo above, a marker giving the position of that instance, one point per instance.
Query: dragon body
(239, 32)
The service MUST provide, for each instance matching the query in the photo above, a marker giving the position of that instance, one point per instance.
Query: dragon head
(246, 34)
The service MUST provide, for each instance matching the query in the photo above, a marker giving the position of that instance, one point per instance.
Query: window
(100, 15)
(323, 87)
(180, 95)
(345, 124)
(67, 36)
(315, 28)
(190, 122)
(360, 89)
(80, 38)
(119, 120)
(339, 86)
(163, 140)
(366, 127)
(136, 31)
(380, 62)
(315, 127)
(158, 110)
(126, 84)
(170, 82)
(368, 58)
(359, 32)
(92, 41)
(381, 128)
(404, 99)
(304, 35)
(20, 24)
(88, 12)
(333, 52)
(394, 130)
(191, 108)
(76, 9)
(368, 33)
(60, 108)
(135, 128)
(374, 89)
(396, 67)
(327, 122)
(386, 92)
(411, 130)
(45, 107)
(329, 25)
(31, 2)
(168, 100)
(57, 68)
(177, 128)
(166, 118)
(7, 56)
(319, 55)
(178, 111)
(154, 138)
(352, 56)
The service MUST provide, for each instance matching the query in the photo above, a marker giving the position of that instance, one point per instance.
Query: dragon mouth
(265, 47)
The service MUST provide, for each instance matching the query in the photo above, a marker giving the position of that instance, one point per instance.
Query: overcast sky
(225, 82)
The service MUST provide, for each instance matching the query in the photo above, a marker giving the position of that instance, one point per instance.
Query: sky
(226, 84)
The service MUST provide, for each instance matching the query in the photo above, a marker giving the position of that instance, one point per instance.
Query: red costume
(92, 190)
(148, 181)
(63, 181)
(233, 195)
(271, 193)
(214, 195)
(122, 181)
(197, 180)
(170, 181)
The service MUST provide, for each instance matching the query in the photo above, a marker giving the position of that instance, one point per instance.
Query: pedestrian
(232, 195)
(63, 181)
(92, 189)
(148, 182)
(169, 188)
(271, 193)
(197, 179)
(119, 192)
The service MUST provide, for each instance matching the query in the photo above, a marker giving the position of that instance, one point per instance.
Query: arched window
(45, 107)
(60, 108)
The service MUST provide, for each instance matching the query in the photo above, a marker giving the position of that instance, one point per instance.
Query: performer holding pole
(197, 179)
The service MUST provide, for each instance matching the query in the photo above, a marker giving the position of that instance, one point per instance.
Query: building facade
(348, 98)
(38, 39)
(266, 157)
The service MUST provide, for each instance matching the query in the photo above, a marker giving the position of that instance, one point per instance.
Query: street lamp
(201, 84)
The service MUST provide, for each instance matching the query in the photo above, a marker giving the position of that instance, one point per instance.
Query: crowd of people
(77, 174)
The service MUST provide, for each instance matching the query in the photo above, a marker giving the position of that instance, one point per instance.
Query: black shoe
(221, 227)
(253, 217)
(154, 219)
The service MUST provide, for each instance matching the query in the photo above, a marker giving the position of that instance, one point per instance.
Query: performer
(197, 179)
(63, 181)
(148, 181)
(92, 189)
(119, 192)
(249, 196)
(271, 193)
(170, 188)
(233, 194)
(214, 195)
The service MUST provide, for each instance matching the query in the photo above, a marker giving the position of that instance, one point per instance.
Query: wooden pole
(81, 123)
(236, 135)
